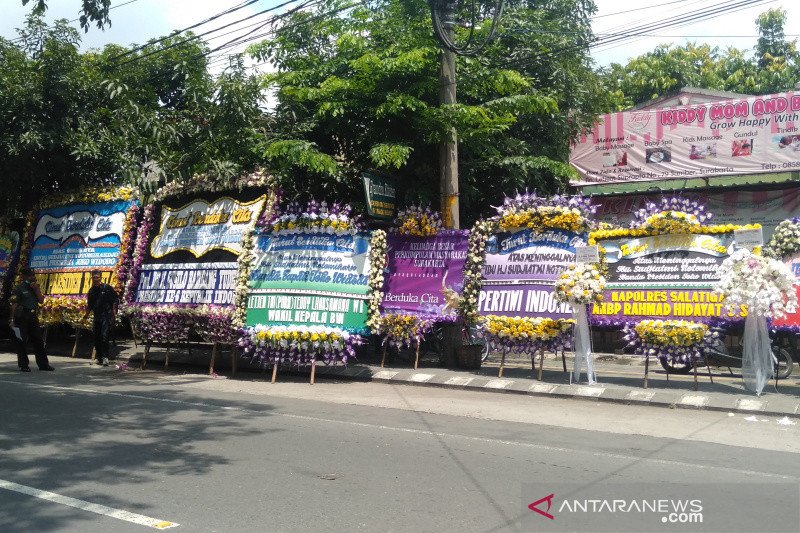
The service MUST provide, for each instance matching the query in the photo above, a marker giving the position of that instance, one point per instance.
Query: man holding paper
(24, 321)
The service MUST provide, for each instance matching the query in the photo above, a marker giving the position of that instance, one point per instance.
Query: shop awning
(640, 187)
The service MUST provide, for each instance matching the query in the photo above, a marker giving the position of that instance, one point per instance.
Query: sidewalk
(620, 378)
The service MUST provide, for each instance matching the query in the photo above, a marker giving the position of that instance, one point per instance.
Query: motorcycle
(730, 357)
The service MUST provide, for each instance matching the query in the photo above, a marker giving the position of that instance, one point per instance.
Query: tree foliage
(77, 119)
(361, 89)
(92, 11)
(774, 66)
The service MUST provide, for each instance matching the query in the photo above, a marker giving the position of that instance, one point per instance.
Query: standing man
(102, 300)
(24, 320)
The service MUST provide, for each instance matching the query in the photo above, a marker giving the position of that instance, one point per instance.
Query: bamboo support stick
(234, 360)
(77, 338)
(313, 369)
(133, 335)
(144, 355)
(541, 363)
(213, 358)
(274, 371)
(416, 361)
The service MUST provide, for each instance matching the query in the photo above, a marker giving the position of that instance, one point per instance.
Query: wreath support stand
(77, 338)
(383, 359)
(274, 371)
(133, 336)
(166, 357)
(416, 360)
(647, 368)
(234, 360)
(213, 358)
(313, 368)
(541, 362)
(503, 362)
(146, 352)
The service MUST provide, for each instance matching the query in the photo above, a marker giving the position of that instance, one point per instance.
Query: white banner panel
(755, 135)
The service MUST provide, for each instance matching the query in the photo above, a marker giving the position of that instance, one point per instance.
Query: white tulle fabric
(583, 345)
(757, 358)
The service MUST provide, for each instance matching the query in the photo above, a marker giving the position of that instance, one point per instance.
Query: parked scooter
(730, 357)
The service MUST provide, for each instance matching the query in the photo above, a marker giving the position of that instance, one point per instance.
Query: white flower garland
(377, 263)
(580, 284)
(765, 286)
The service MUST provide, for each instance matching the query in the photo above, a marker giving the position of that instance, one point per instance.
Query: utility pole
(448, 170)
(448, 148)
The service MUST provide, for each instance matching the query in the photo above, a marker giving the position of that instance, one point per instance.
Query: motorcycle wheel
(677, 368)
(785, 362)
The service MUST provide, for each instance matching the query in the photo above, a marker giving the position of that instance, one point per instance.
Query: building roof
(688, 96)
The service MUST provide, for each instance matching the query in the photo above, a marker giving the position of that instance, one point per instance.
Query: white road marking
(119, 514)
(487, 440)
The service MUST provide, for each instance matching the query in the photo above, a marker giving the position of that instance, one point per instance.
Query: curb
(770, 405)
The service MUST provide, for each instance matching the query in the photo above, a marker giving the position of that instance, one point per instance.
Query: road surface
(97, 449)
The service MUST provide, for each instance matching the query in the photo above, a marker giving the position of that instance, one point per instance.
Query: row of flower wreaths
(760, 282)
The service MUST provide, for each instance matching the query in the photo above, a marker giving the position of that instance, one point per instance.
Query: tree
(91, 11)
(76, 119)
(360, 90)
(775, 67)
(771, 41)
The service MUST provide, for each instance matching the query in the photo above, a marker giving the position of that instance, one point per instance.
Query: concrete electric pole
(443, 15)
(448, 148)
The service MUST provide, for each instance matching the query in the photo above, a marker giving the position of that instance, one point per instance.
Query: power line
(637, 9)
(212, 18)
(632, 32)
(248, 38)
(198, 36)
(688, 20)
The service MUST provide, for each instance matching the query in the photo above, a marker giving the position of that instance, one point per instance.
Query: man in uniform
(24, 321)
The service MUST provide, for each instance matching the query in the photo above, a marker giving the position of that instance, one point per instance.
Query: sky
(141, 20)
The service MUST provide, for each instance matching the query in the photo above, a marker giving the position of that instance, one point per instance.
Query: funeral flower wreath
(213, 323)
(67, 308)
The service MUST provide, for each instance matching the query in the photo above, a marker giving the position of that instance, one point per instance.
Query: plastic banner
(194, 247)
(419, 268)
(310, 279)
(750, 136)
(664, 277)
(70, 241)
(520, 270)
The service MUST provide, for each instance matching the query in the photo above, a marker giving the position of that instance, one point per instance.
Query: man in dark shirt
(24, 321)
(102, 300)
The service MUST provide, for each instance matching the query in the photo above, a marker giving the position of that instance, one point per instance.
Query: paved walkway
(620, 378)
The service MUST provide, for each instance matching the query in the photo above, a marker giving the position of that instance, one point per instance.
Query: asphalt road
(230, 455)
